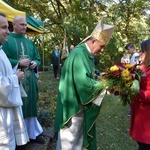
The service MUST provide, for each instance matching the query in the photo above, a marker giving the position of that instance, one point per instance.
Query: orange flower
(128, 66)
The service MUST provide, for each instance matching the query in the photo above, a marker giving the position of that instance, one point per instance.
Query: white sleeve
(9, 91)
(122, 60)
(15, 68)
(98, 100)
(132, 61)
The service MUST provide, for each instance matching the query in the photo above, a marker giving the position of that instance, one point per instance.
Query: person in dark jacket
(56, 61)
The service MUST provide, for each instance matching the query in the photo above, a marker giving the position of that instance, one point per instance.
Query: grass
(113, 126)
(112, 122)
(48, 87)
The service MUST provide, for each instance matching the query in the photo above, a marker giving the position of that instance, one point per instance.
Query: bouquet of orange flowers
(123, 80)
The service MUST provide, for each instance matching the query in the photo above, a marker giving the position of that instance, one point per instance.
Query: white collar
(87, 48)
(0, 47)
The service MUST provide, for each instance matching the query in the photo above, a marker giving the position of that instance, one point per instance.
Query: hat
(102, 32)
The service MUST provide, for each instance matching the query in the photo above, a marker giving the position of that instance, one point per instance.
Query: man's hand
(24, 62)
(33, 64)
(20, 74)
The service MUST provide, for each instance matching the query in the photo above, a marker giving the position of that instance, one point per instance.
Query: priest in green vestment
(77, 108)
(23, 54)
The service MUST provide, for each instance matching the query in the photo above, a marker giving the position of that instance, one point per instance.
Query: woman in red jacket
(140, 107)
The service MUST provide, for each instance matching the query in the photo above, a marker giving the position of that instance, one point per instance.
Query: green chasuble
(16, 46)
(76, 88)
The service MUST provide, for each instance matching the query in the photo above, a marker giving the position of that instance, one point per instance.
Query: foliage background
(77, 18)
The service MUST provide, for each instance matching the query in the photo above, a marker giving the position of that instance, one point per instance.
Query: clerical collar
(87, 48)
(17, 33)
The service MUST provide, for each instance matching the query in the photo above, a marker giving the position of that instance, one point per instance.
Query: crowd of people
(77, 108)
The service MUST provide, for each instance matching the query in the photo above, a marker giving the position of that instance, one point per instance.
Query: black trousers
(56, 70)
(143, 146)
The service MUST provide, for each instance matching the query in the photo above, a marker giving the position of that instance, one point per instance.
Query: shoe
(39, 139)
(22, 147)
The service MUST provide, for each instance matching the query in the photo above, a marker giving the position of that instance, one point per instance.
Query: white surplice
(12, 126)
(71, 138)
